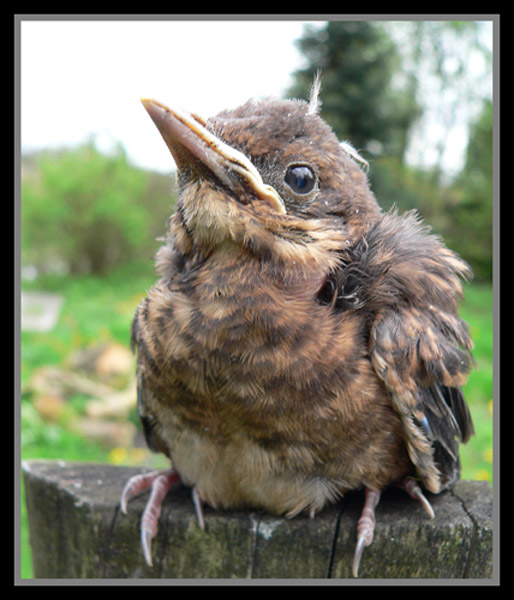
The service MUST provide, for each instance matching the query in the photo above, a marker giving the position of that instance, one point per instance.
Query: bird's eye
(300, 178)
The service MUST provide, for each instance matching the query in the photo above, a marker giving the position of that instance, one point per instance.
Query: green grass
(94, 309)
(101, 309)
(476, 456)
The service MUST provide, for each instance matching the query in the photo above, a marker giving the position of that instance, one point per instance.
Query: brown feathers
(300, 342)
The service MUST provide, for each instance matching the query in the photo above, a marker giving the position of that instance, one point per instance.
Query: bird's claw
(365, 527)
(366, 523)
(146, 543)
(197, 501)
(361, 543)
(414, 491)
(160, 482)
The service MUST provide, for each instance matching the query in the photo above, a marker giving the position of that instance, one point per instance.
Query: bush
(83, 212)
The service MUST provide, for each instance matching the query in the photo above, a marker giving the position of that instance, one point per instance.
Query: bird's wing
(423, 367)
(418, 345)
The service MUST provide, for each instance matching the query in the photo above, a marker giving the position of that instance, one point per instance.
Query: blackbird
(300, 341)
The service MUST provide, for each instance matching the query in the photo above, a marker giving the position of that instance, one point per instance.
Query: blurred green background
(90, 223)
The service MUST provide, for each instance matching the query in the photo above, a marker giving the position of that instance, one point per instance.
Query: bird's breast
(239, 348)
(235, 323)
(254, 376)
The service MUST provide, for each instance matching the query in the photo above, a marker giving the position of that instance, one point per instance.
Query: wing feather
(420, 348)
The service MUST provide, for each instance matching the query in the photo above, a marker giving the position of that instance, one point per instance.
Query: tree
(357, 61)
(472, 214)
(448, 64)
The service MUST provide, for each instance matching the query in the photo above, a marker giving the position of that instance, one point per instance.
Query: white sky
(83, 77)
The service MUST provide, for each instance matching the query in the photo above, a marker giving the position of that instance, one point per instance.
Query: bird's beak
(186, 136)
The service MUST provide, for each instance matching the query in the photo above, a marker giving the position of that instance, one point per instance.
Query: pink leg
(160, 482)
(365, 527)
(414, 491)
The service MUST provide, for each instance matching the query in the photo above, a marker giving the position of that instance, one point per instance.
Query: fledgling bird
(300, 342)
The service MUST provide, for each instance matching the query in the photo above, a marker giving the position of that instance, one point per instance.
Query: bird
(300, 342)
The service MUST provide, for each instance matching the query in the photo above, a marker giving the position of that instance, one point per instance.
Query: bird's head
(269, 176)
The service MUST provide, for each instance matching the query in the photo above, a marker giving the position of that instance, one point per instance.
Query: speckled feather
(285, 359)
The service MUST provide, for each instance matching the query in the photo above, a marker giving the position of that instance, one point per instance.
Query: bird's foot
(160, 482)
(365, 527)
(412, 488)
(366, 522)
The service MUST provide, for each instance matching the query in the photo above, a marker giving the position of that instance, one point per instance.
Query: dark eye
(300, 178)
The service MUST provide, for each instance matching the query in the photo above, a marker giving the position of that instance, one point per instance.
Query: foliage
(85, 212)
(448, 66)
(472, 231)
(357, 61)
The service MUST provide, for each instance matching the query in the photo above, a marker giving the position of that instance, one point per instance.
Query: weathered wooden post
(78, 531)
